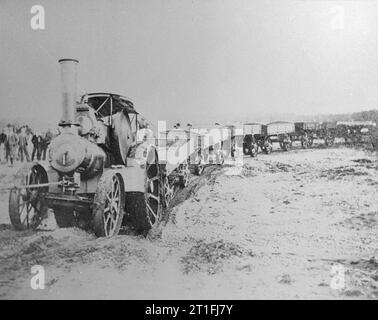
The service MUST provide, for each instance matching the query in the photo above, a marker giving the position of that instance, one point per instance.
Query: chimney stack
(68, 73)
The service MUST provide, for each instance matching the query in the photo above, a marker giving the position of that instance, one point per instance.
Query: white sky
(188, 60)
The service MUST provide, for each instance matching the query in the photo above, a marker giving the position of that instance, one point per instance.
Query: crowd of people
(21, 143)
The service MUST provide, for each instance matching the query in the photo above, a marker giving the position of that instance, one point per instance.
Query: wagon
(281, 132)
(180, 151)
(217, 143)
(306, 132)
(355, 132)
(327, 132)
(255, 136)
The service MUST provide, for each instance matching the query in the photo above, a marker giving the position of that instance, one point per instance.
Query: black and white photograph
(163, 150)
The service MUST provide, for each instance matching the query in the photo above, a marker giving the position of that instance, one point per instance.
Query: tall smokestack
(68, 73)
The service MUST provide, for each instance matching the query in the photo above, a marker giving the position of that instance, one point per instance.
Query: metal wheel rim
(152, 193)
(28, 204)
(112, 208)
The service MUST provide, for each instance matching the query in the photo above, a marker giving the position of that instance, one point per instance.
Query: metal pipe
(30, 186)
(68, 73)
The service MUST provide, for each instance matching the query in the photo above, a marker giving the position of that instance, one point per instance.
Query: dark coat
(3, 137)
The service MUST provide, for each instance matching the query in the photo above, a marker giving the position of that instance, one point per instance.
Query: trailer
(255, 136)
(281, 132)
(218, 142)
(306, 132)
(180, 152)
(355, 132)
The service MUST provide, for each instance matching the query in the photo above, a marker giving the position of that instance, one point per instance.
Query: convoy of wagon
(261, 136)
(108, 169)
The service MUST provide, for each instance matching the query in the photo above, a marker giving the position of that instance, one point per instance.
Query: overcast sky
(206, 59)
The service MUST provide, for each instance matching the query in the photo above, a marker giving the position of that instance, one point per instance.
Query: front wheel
(109, 204)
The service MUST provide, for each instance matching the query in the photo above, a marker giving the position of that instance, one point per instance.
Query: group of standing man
(15, 144)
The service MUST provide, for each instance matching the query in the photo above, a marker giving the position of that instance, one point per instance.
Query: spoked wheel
(109, 204)
(267, 146)
(152, 193)
(26, 206)
(329, 141)
(184, 174)
(168, 192)
(310, 141)
(305, 142)
(285, 145)
(254, 150)
(145, 207)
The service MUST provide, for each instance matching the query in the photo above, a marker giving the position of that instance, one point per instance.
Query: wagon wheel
(109, 204)
(168, 192)
(305, 141)
(285, 145)
(329, 141)
(310, 141)
(26, 206)
(184, 174)
(254, 150)
(268, 147)
(247, 149)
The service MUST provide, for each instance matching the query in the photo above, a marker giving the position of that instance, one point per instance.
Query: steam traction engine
(99, 175)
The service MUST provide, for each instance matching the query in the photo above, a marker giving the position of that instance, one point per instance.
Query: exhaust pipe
(68, 73)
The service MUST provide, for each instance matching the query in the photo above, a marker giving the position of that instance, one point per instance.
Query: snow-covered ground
(290, 225)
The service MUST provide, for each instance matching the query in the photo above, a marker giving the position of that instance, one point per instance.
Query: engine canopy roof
(107, 104)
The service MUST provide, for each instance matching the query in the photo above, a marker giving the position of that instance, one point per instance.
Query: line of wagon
(262, 136)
